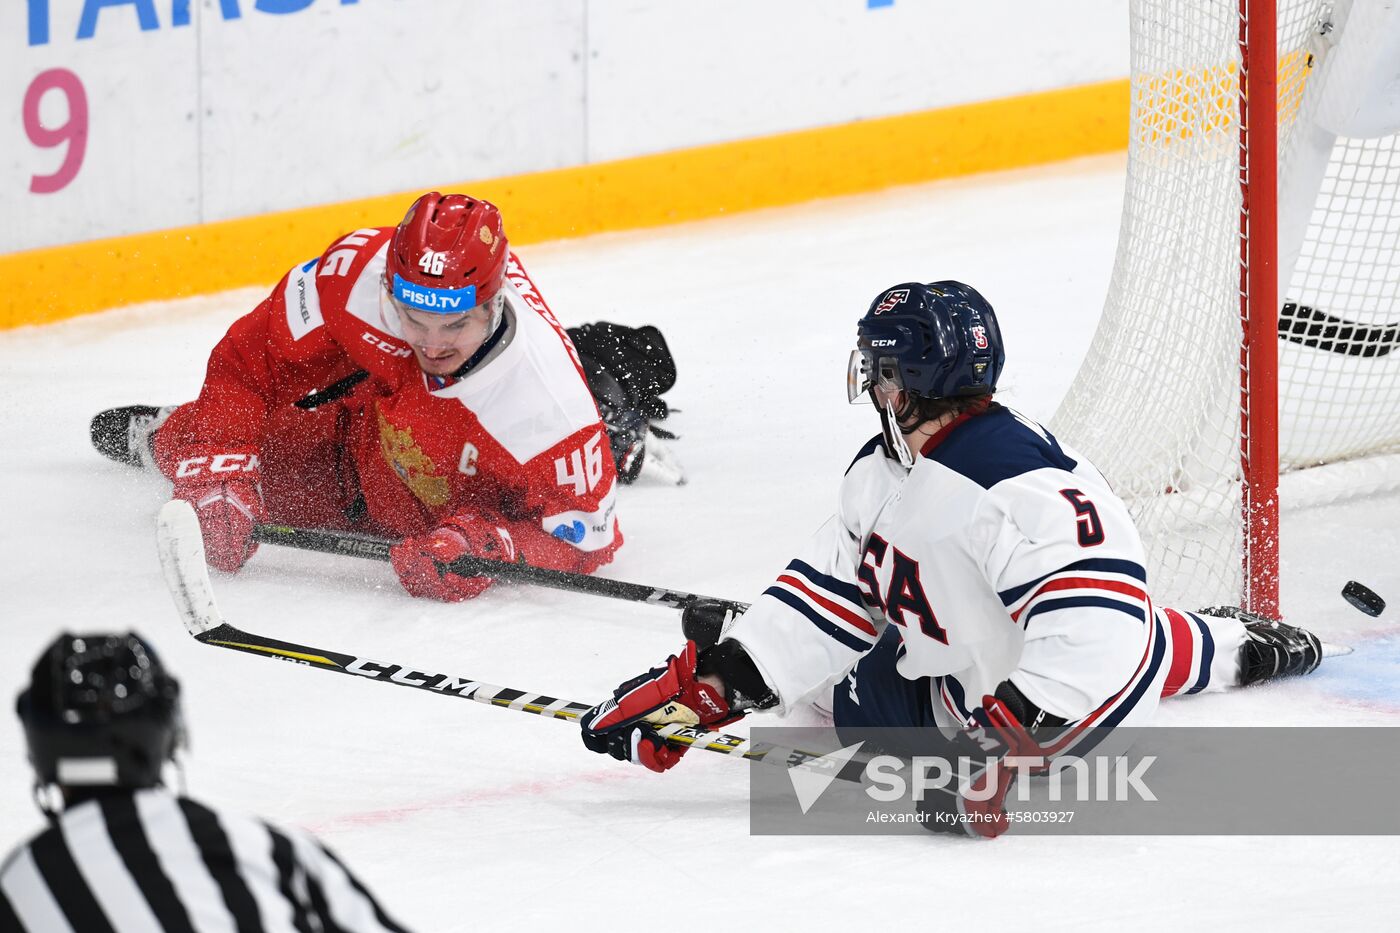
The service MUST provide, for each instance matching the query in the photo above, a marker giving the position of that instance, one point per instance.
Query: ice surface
(463, 817)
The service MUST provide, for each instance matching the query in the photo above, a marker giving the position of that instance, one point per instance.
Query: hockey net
(1157, 403)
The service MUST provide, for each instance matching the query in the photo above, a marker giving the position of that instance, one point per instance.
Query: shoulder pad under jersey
(1000, 445)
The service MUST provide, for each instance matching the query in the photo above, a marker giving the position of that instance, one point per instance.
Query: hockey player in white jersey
(978, 575)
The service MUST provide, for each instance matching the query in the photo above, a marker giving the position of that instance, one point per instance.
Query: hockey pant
(308, 473)
(1187, 653)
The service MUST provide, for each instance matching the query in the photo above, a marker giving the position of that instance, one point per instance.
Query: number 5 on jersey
(582, 469)
(1087, 521)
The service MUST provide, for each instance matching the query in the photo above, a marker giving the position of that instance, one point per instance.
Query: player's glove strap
(745, 688)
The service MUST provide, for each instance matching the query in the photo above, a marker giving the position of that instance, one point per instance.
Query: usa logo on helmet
(892, 299)
(979, 336)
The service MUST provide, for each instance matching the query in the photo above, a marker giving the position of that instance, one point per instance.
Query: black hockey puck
(1363, 598)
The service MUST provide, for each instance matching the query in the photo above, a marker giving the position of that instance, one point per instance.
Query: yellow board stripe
(297, 655)
(44, 285)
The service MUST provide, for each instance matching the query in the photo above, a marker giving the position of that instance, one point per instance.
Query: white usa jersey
(1001, 554)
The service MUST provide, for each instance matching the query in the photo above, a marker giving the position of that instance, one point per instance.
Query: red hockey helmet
(448, 255)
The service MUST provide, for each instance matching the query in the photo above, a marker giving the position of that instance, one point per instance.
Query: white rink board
(668, 75)
(396, 96)
(203, 110)
(140, 169)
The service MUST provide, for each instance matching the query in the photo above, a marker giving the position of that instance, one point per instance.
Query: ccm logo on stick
(409, 677)
(219, 463)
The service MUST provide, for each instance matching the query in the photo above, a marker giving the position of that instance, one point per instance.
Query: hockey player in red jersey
(410, 382)
(979, 576)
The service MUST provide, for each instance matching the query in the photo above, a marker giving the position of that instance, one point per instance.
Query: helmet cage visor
(405, 294)
(440, 318)
(866, 371)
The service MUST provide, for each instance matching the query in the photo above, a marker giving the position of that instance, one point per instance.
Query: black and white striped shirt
(148, 860)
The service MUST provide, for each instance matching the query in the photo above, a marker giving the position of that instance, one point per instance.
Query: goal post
(1255, 296)
(1258, 304)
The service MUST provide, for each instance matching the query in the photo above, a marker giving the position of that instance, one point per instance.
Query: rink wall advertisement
(231, 136)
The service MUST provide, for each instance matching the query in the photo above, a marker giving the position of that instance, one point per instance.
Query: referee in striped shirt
(102, 717)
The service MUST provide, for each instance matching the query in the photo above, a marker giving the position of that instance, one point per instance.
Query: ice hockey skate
(1271, 649)
(127, 434)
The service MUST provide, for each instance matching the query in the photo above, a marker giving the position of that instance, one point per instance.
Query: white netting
(1341, 397)
(1156, 404)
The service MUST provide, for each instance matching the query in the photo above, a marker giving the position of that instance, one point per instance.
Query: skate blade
(661, 464)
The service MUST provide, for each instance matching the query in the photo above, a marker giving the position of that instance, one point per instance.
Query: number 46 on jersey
(583, 468)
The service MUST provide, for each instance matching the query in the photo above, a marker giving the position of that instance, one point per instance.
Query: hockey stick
(181, 547)
(702, 627)
(1306, 325)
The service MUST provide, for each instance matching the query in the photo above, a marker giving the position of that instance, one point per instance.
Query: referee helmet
(101, 710)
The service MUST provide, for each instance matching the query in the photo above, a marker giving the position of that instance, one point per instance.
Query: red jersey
(516, 441)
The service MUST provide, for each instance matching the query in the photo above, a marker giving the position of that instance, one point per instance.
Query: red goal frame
(1259, 306)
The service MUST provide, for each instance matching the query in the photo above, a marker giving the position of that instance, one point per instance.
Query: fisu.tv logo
(442, 300)
(888, 778)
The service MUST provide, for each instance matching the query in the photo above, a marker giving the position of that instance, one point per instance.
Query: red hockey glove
(625, 726)
(976, 807)
(223, 488)
(418, 560)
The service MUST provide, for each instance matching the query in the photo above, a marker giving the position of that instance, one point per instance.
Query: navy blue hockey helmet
(936, 340)
(100, 709)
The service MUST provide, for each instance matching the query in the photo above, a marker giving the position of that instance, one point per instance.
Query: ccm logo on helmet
(388, 348)
(883, 342)
(219, 463)
(892, 299)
